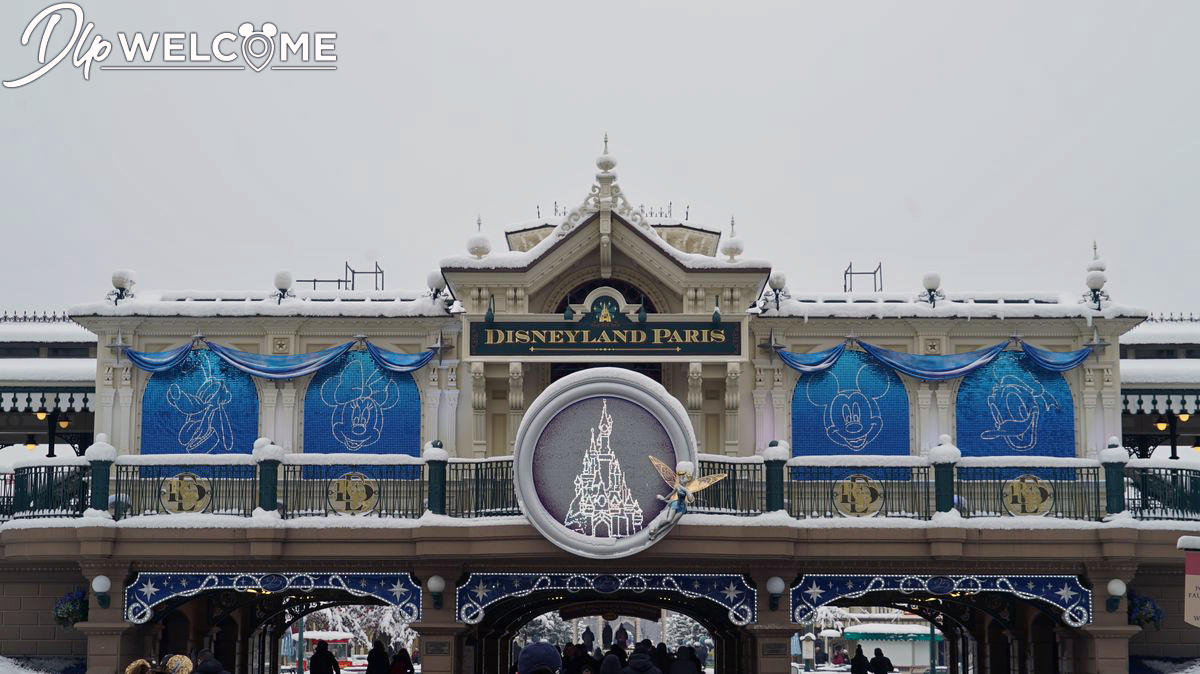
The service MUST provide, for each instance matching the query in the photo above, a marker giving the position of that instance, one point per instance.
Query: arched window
(855, 407)
(1012, 407)
(204, 406)
(631, 293)
(356, 406)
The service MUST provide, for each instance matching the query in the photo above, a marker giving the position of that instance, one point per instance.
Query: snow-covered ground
(44, 666)
(1189, 667)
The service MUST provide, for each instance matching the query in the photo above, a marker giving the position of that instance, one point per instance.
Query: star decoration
(695, 585)
(480, 591)
(1029, 585)
(1066, 594)
(362, 582)
(183, 582)
(731, 593)
(398, 589)
(148, 589)
(849, 585)
(814, 592)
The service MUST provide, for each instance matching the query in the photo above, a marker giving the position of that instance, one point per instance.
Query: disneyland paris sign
(256, 48)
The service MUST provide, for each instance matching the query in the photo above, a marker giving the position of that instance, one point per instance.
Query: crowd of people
(378, 661)
(646, 658)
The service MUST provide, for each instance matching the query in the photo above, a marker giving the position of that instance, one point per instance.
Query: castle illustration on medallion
(204, 406)
(356, 406)
(603, 504)
(855, 407)
(612, 487)
(1012, 407)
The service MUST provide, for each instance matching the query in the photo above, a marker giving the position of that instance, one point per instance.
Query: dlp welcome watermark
(177, 51)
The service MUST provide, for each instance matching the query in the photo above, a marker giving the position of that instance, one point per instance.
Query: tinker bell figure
(683, 491)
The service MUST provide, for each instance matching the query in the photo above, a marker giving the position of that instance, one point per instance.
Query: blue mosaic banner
(354, 405)
(202, 406)
(856, 406)
(152, 589)
(1012, 407)
(1063, 592)
(731, 591)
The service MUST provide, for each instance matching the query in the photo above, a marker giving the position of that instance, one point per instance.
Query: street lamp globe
(1161, 423)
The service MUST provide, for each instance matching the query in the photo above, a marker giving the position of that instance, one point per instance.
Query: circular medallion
(185, 493)
(272, 582)
(582, 460)
(940, 585)
(858, 496)
(1028, 495)
(353, 494)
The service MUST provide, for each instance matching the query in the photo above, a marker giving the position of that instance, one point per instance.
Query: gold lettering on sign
(353, 494)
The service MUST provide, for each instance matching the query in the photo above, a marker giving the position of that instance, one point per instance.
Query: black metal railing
(1162, 493)
(50, 491)
(6, 496)
(1002, 491)
(859, 491)
(224, 489)
(379, 490)
(741, 492)
(481, 488)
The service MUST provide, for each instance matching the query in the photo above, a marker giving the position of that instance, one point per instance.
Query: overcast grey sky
(989, 141)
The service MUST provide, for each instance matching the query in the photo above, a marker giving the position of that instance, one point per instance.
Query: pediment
(603, 245)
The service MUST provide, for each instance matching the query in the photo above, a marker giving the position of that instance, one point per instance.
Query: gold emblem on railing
(1028, 495)
(858, 496)
(185, 493)
(353, 494)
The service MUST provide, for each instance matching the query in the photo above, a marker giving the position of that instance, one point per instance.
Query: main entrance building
(530, 433)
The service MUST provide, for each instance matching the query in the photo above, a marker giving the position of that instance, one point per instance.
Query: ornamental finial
(479, 223)
(732, 231)
(605, 142)
(1095, 250)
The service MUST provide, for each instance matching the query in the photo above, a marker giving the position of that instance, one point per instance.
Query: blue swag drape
(279, 367)
(936, 368)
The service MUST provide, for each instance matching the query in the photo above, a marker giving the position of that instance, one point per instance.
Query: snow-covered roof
(1164, 332)
(1151, 371)
(30, 370)
(323, 635)
(886, 628)
(44, 332)
(511, 260)
(371, 303)
(964, 304)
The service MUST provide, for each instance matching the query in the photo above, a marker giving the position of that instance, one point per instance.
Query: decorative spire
(605, 142)
(1096, 264)
(732, 230)
(732, 246)
(478, 223)
(478, 244)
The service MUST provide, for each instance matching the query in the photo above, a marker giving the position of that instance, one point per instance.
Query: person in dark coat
(611, 665)
(322, 661)
(402, 662)
(588, 639)
(880, 664)
(207, 664)
(377, 659)
(858, 664)
(606, 635)
(641, 662)
(662, 659)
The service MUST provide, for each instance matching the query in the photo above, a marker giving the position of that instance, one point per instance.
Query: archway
(497, 605)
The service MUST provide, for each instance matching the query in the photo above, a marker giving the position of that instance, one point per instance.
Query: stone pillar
(516, 401)
(447, 428)
(764, 423)
(270, 399)
(431, 400)
(479, 406)
(926, 416)
(781, 397)
(733, 372)
(123, 421)
(112, 643)
(285, 418)
(695, 400)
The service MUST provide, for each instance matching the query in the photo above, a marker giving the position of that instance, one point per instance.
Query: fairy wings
(692, 486)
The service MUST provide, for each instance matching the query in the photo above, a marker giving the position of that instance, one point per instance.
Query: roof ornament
(478, 244)
(732, 246)
(1095, 279)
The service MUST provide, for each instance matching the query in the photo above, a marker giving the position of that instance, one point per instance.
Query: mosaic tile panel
(204, 406)
(1012, 407)
(356, 406)
(858, 406)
